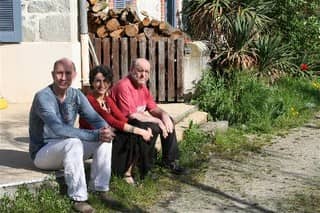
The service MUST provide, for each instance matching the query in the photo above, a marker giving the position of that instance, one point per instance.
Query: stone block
(42, 7)
(30, 28)
(55, 28)
(46, 6)
(63, 6)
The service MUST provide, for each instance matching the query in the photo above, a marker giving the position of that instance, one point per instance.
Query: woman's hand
(146, 134)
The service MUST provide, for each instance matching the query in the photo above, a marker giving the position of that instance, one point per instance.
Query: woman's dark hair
(104, 70)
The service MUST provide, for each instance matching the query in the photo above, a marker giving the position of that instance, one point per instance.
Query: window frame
(121, 2)
(14, 35)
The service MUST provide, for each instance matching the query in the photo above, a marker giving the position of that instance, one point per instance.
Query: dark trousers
(170, 151)
(129, 148)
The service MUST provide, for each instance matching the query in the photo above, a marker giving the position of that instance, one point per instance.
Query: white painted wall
(25, 68)
(153, 7)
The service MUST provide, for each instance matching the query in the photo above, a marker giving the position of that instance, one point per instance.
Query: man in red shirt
(133, 98)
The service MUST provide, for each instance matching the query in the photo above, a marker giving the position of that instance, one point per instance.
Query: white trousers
(69, 154)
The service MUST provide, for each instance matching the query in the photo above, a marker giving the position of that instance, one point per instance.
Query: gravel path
(264, 182)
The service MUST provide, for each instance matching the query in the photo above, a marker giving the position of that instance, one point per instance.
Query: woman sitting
(131, 144)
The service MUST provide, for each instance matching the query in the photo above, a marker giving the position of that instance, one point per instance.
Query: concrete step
(183, 120)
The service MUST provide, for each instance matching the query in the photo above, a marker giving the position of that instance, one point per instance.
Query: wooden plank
(106, 52)
(152, 61)
(171, 73)
(115, 59)
(180, 73)
(97, 48)
(161, 71)
(124, 57)
(142, 49)
(133, 49)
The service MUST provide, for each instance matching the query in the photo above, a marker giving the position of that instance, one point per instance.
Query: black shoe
(176, 169)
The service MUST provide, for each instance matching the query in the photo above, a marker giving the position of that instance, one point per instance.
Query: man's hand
(106, 134)
(163, 129)
(167, 122)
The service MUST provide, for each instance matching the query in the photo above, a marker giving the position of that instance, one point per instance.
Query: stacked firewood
(126, 23)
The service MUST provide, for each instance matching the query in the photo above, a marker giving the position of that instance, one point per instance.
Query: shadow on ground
(16, 159)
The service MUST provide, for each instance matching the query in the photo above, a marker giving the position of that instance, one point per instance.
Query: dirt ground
(285, 173)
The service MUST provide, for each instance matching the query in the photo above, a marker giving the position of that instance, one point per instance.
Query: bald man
(56, 144)
(134, 98)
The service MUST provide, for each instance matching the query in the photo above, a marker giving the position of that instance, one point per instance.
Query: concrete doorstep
(16, 167)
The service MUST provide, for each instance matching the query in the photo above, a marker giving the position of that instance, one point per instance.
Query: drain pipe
(84, 41)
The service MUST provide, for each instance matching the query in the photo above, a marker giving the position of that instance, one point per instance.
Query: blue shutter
(120, 4)
(10, 21)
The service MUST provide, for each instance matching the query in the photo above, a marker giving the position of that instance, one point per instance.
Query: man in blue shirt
(56, 144)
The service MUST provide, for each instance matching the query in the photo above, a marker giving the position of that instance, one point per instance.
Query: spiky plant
(274, 57)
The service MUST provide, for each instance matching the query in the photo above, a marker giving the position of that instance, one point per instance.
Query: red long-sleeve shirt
(114, 117)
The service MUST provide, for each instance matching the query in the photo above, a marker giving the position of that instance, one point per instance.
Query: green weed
(45, 199)
(234, 144)
(193, 154)
(246, 101)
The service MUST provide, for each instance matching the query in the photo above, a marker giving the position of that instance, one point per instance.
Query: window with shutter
(10, 21)
(120, 4)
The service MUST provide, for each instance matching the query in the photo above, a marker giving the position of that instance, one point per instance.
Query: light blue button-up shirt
(50, 119)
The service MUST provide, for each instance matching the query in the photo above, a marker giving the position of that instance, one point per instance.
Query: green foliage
(274, 57)
(233, 144)
(191, 147)
(230, 27)
(45, 199)
(245, 34)
(298, 21)
(134, 199)
(245, 101)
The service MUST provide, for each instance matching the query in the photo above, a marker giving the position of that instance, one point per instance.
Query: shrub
(245, 101)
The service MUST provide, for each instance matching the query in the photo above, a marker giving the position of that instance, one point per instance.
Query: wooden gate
(165, 57)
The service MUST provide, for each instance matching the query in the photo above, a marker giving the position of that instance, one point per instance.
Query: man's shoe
(176, 169)
(83, 206)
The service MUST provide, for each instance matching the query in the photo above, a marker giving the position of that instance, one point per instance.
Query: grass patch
(47, 198)
(234, 144)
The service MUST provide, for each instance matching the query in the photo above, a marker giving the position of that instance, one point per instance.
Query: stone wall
(46, 20)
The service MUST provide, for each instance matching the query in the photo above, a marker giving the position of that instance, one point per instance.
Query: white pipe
(84, 41)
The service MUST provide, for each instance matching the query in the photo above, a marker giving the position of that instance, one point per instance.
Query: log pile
(126, 23)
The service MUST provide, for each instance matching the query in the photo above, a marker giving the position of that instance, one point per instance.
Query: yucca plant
(237, 51)
(274, 57)
(229, 27)
(203, 17)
